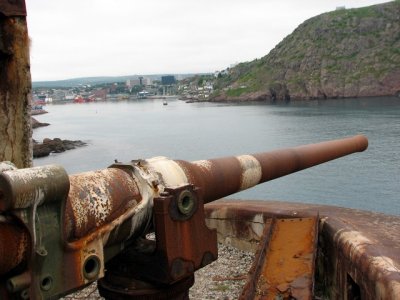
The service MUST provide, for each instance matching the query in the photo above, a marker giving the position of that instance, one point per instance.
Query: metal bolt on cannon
(60, 232)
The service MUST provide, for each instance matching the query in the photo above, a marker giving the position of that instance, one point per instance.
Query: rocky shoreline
(258, 97)
(47, 146)
(55, 145)
(266, 97)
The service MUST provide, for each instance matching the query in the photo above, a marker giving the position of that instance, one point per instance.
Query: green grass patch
(238, 91)
(395, 50)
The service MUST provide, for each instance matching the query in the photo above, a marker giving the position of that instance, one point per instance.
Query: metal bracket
(183, 245)
(184, 241)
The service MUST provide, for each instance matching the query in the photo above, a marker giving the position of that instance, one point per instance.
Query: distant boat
(78, 99)
(165, 102)
(143, 94)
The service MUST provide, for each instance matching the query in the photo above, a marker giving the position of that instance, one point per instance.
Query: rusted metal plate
(288, 270)
(13, 7)
(283, 267)
(357, 249)
(250, 288)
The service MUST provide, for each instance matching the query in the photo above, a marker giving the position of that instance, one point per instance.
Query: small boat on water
(165, 102)
(37, 109)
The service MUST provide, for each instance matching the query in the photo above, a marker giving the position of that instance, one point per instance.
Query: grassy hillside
(343, 53)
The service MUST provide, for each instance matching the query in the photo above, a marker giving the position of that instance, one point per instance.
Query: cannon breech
(60, 232)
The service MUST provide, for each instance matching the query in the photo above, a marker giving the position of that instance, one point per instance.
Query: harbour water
(146, 128)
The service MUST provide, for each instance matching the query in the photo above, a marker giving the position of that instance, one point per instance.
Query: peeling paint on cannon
(96, 198)
(23, 188)
(251, 171)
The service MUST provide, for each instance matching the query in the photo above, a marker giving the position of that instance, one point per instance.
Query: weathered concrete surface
(15, 92)
(359, 251)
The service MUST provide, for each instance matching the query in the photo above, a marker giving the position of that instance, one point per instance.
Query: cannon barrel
(224, 176)
(98, 198)
(101, 209)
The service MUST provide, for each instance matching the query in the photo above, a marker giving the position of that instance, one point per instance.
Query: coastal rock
(54, 146)
(36, 123)
(345, 53)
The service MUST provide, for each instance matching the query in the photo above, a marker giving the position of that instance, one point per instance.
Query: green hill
(343, 53)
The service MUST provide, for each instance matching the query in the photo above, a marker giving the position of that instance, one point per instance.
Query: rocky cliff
(343, 53)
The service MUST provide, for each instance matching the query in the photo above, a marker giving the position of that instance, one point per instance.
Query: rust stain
(383, 271)
(286, 161)
(216, 178)
(288, 267)
(14, 246)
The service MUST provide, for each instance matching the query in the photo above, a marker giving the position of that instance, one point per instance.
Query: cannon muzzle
(54, 226)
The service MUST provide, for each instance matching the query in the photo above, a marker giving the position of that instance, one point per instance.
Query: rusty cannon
(60, 232)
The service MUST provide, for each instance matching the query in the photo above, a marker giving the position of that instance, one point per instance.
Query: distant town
(189, 88)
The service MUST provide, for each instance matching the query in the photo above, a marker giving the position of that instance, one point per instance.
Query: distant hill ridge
(343, 53)
(77, 81)
(66, 83)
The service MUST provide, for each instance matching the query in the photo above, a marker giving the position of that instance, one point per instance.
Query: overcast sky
(81, 38)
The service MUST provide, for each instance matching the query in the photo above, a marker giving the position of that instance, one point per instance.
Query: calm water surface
(145, 128)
